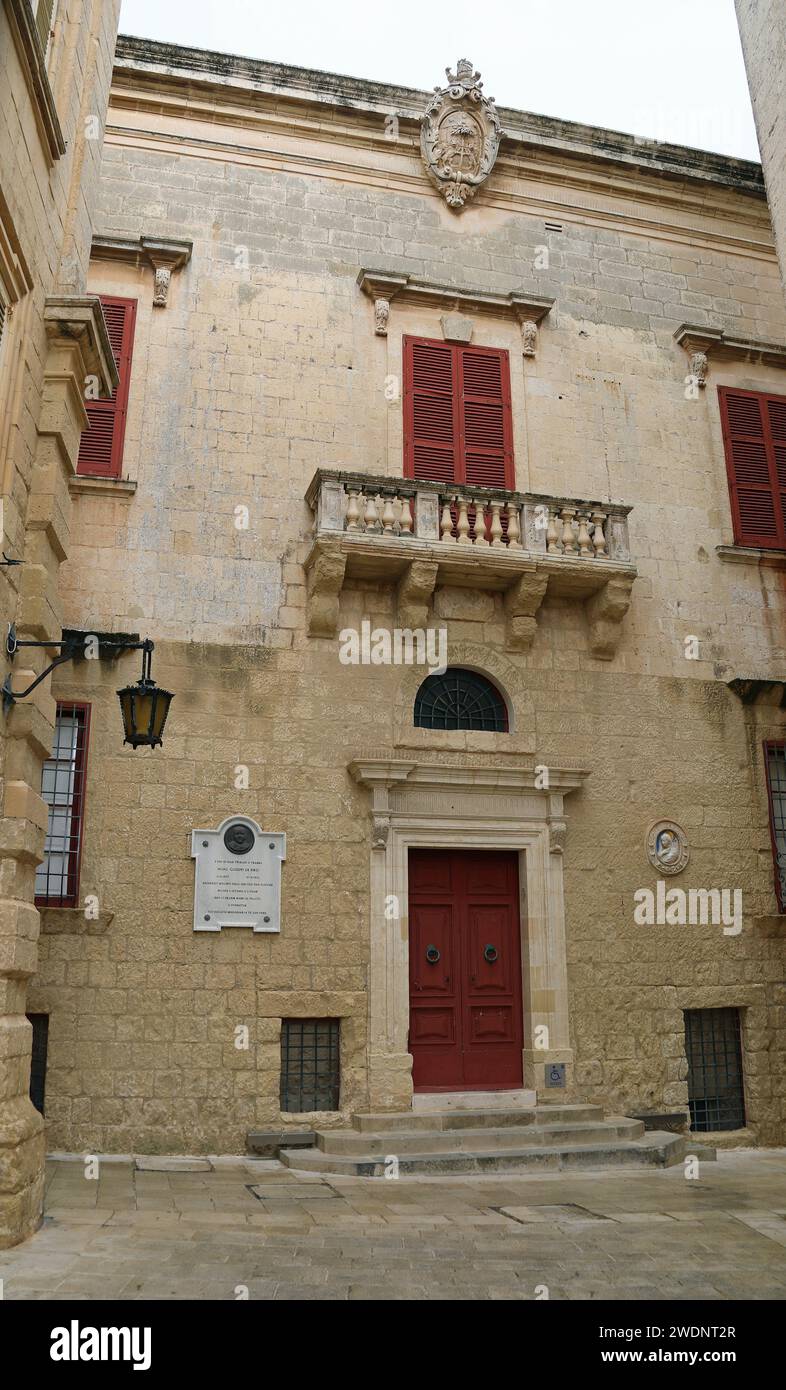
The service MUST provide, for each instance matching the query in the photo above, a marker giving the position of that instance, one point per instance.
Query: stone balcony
(418, 535)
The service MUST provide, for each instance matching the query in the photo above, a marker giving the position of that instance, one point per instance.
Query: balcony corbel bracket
(605, 611)
(522, 601)
(415, 589)
(325, 569)
(748, 690)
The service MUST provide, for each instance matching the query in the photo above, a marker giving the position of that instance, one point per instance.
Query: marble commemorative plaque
(238, 876)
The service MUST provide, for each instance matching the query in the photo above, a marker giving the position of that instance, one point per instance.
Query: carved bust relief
(667, 847)
(459, 136)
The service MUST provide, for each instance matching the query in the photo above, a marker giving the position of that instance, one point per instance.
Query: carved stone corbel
(605, 611)
(522, 601)
(529, 338)
(325, 571)
(381, 316)
(164, 257)
(557, 833)
(697, 367)
(380, 830)
(415, 589)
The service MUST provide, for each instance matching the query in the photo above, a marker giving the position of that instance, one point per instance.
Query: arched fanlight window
(460, 699)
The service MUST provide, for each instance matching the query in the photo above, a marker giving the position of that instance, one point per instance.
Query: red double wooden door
(465, 1022)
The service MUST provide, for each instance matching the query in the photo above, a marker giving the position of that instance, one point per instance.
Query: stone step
(469, 1119)
(473, 1100)
(350, 1142)
(653, 1149)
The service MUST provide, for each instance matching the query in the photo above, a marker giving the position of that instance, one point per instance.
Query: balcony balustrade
(419, 535)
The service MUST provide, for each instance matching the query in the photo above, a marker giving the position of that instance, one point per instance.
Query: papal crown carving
(459, 135)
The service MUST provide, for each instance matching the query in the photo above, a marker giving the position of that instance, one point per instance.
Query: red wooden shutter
(484, 382)
(754, 438)
(431, 424)
(101, 447)
(457, 421)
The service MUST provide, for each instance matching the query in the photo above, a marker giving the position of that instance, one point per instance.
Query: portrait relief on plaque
(667, 847)
(459, 136)
(238, 876)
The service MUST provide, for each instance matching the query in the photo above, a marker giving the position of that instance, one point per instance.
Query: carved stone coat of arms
(459, 135)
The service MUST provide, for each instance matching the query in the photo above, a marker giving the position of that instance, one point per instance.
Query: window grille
(310, 1067)
(40, 1024)
(715, 1086)
(460, 700)
(775, 763)
(63, 789)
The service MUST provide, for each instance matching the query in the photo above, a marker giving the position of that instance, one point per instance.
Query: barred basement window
(63, 789)
(460, 700)
(775, 763)
(310, 1077)
(40, 1024)
(714, 1051)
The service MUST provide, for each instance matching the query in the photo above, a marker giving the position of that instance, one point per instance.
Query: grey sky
(671, 70)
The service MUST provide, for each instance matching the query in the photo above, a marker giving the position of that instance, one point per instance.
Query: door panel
(465, 1002)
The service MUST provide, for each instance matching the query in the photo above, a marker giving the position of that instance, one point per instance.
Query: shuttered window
(457, 421)
(754, 437)
(44, 14)
(101, 448)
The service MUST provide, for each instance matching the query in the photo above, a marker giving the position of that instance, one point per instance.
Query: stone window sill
(71, 921)
(751, 555)
(33, 64)
(85, 486)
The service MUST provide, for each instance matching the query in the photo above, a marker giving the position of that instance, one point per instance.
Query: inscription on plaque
(238, 876)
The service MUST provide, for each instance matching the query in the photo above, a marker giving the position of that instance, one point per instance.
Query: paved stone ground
(619, 1234)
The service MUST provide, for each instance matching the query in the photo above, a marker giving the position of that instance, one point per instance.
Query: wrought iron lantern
(144, 707)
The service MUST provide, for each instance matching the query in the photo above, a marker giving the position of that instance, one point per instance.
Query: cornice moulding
(381, 284)
(162, 254)
(710, 340)
(369, 772)
(148, 63)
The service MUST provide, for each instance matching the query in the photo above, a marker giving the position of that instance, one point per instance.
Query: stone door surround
(440, 805)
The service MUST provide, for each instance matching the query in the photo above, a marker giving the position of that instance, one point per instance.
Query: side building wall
(52, 108)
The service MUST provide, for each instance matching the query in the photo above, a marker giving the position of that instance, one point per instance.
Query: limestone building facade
(56, 64)
(393, 363)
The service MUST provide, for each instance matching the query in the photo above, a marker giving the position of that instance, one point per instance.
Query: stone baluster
(514, 527)
(496, 523)
(446, 522)
(480, 523)
(405, 518)
(388, 516)
(463, 521)
(568, 537)
(370, 519)
(552, 534)
(353, 511)
(585, 543)
(598, 534)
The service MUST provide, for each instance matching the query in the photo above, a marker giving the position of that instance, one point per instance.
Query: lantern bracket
(73, 647)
